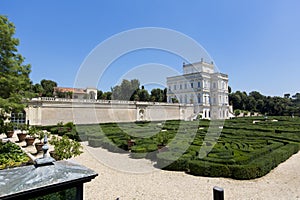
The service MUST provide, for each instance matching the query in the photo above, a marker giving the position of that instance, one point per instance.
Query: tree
(175, 100)
(229, 89)
(48, 86)
(157, 95)
(165, 95)
(99, 94)
(126, 90)
(237, 112)
(235, 100)
(251, 104)
(38, 89)
(143, 95)
(107, 96)
(15, 83)
(256, 95)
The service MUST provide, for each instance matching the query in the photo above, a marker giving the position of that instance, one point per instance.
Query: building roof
(66, 89)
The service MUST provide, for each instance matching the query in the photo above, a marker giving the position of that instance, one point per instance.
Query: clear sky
(255, 42)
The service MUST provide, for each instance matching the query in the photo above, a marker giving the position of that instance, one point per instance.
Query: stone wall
(50, 111)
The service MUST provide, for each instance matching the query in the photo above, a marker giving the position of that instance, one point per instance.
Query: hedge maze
(247, 147)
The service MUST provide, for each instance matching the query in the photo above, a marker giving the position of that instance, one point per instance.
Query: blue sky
(257, 43)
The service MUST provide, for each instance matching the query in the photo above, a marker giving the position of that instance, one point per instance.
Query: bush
(173, 161)
(202, 168)
(138, 152)
(93, 142)
(65, 148)
(11, 155)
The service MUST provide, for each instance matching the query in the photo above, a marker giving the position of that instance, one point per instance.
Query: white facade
(202, 86)
(49, 111)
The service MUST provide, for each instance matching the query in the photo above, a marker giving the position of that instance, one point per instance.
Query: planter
(53, 155)
(39, 146)
(29, 141)
(9, 134)
(21, 136)
(162, 148)
(130, 143)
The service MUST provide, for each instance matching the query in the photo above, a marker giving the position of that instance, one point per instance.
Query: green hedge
(173, 161)
(244, 150)
(203, 168)
(257, 168)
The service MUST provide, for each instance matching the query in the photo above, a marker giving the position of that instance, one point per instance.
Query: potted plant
(30, 138)
(9, 129)
(40, 135)
(130, 143)
(64, 148)
(22, 135)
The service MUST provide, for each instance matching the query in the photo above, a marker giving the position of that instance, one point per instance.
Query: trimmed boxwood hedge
(257, 168)
(173, 161)
(243, 151)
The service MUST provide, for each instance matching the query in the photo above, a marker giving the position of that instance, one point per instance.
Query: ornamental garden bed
(244, 150)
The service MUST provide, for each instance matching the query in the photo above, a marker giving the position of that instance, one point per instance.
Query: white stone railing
(53, 99)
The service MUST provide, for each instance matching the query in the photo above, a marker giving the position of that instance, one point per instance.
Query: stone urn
(21, 136)
(9, 134)
(39, 146)
(29, 141)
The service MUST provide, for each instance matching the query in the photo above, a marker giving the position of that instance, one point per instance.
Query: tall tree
(157, 95)
(143, 94)
(38, 89)
(48, 87)
(107, 96)
(15, 83)
(126, 90)
(99, 94)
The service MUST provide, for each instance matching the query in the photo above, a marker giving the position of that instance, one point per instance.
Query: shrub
(94, 142)
(202, 168)
(65, 148)
(173, 161)
(138, 152)
(11, 155)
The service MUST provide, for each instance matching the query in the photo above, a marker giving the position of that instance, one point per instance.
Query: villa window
(199, 84)
(192, 85)
(18, 118)
(199, 99)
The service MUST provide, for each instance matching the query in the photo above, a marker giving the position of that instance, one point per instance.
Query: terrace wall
(50, 111)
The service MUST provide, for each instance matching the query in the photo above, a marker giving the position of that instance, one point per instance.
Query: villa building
(203, 87)
(75, 93)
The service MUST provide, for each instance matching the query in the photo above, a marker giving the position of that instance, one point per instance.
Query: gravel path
(117, 180)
